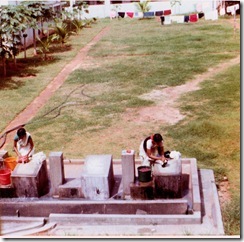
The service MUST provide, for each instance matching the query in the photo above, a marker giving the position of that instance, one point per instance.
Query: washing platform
(195, 212)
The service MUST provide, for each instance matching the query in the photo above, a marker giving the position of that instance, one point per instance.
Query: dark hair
(157, 138)
(21, 132)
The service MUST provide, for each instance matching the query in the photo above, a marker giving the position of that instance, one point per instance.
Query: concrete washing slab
(197, 213)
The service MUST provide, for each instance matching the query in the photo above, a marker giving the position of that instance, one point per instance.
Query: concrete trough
(31, 179)
(97, 179)
(29, 207)
(197, 212)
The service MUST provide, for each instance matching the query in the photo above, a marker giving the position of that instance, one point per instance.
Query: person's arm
(30, 140)
(153, 157)
(161, 150)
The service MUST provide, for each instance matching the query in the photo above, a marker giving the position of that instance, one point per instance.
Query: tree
(45, 45)
(12, 23)
(38, 12)
(5, 51)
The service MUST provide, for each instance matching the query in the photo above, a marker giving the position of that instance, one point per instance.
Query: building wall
(103, 10)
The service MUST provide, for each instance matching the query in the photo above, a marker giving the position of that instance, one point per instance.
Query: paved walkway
(31, 110)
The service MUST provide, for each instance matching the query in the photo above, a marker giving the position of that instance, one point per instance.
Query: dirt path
(165, 109)
(31, 110)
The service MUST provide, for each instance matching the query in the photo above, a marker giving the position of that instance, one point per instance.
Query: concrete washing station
(101, 196)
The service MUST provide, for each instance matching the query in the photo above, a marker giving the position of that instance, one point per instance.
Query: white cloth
(113, 14)
(177, 18)
(232, 9)
(24, 146)
(167, 19)
(175, 155)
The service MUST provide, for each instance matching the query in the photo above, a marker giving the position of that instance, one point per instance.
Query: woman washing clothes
(23, 146)
(152, 150)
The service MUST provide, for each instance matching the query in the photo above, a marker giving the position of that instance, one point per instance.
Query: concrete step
(123, 219)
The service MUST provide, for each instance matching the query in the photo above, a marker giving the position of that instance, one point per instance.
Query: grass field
(90, 113)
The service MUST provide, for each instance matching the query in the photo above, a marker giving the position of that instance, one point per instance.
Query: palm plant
(143, 6)
(45, 45)
(78, 24)
(61, 33)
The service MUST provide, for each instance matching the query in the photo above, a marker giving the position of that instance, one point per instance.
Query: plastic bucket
(10, 163)
(144, 173)
(5, 176)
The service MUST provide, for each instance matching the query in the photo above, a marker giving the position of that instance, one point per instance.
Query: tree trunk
(15, 62)
(34, 41)
(25, 47)
(4, 66)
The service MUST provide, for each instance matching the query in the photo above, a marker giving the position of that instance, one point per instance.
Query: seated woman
(152, 150)
(23, 146)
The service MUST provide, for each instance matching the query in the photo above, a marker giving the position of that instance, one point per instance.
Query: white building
(103, 8)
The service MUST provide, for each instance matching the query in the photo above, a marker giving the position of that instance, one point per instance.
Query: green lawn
(86, 115)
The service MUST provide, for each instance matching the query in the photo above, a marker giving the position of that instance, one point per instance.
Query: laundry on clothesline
(232, 9)
(200, 15)
(130, 14)
(113, 14)
(167, 17)
(186, 18)
(167, 12)
(148, 14)
(159, 13)
(177, 18)
(121, 14)
(193, 18)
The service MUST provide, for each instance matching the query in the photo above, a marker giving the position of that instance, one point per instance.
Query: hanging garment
(136, 15)
(193, 18)
(178, 18)
(167, 12)
(130, 14)
(200, 15)
(167, 19)
(186, 19)
(159, 13)
(232, 9)
(162, 20)
(121, 14)
(148, 14)
(113, 14)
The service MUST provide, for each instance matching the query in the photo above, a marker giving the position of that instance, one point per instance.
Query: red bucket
(5, 176)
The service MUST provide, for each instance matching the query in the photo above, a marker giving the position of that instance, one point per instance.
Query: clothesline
(145, 14)
(167, 17)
